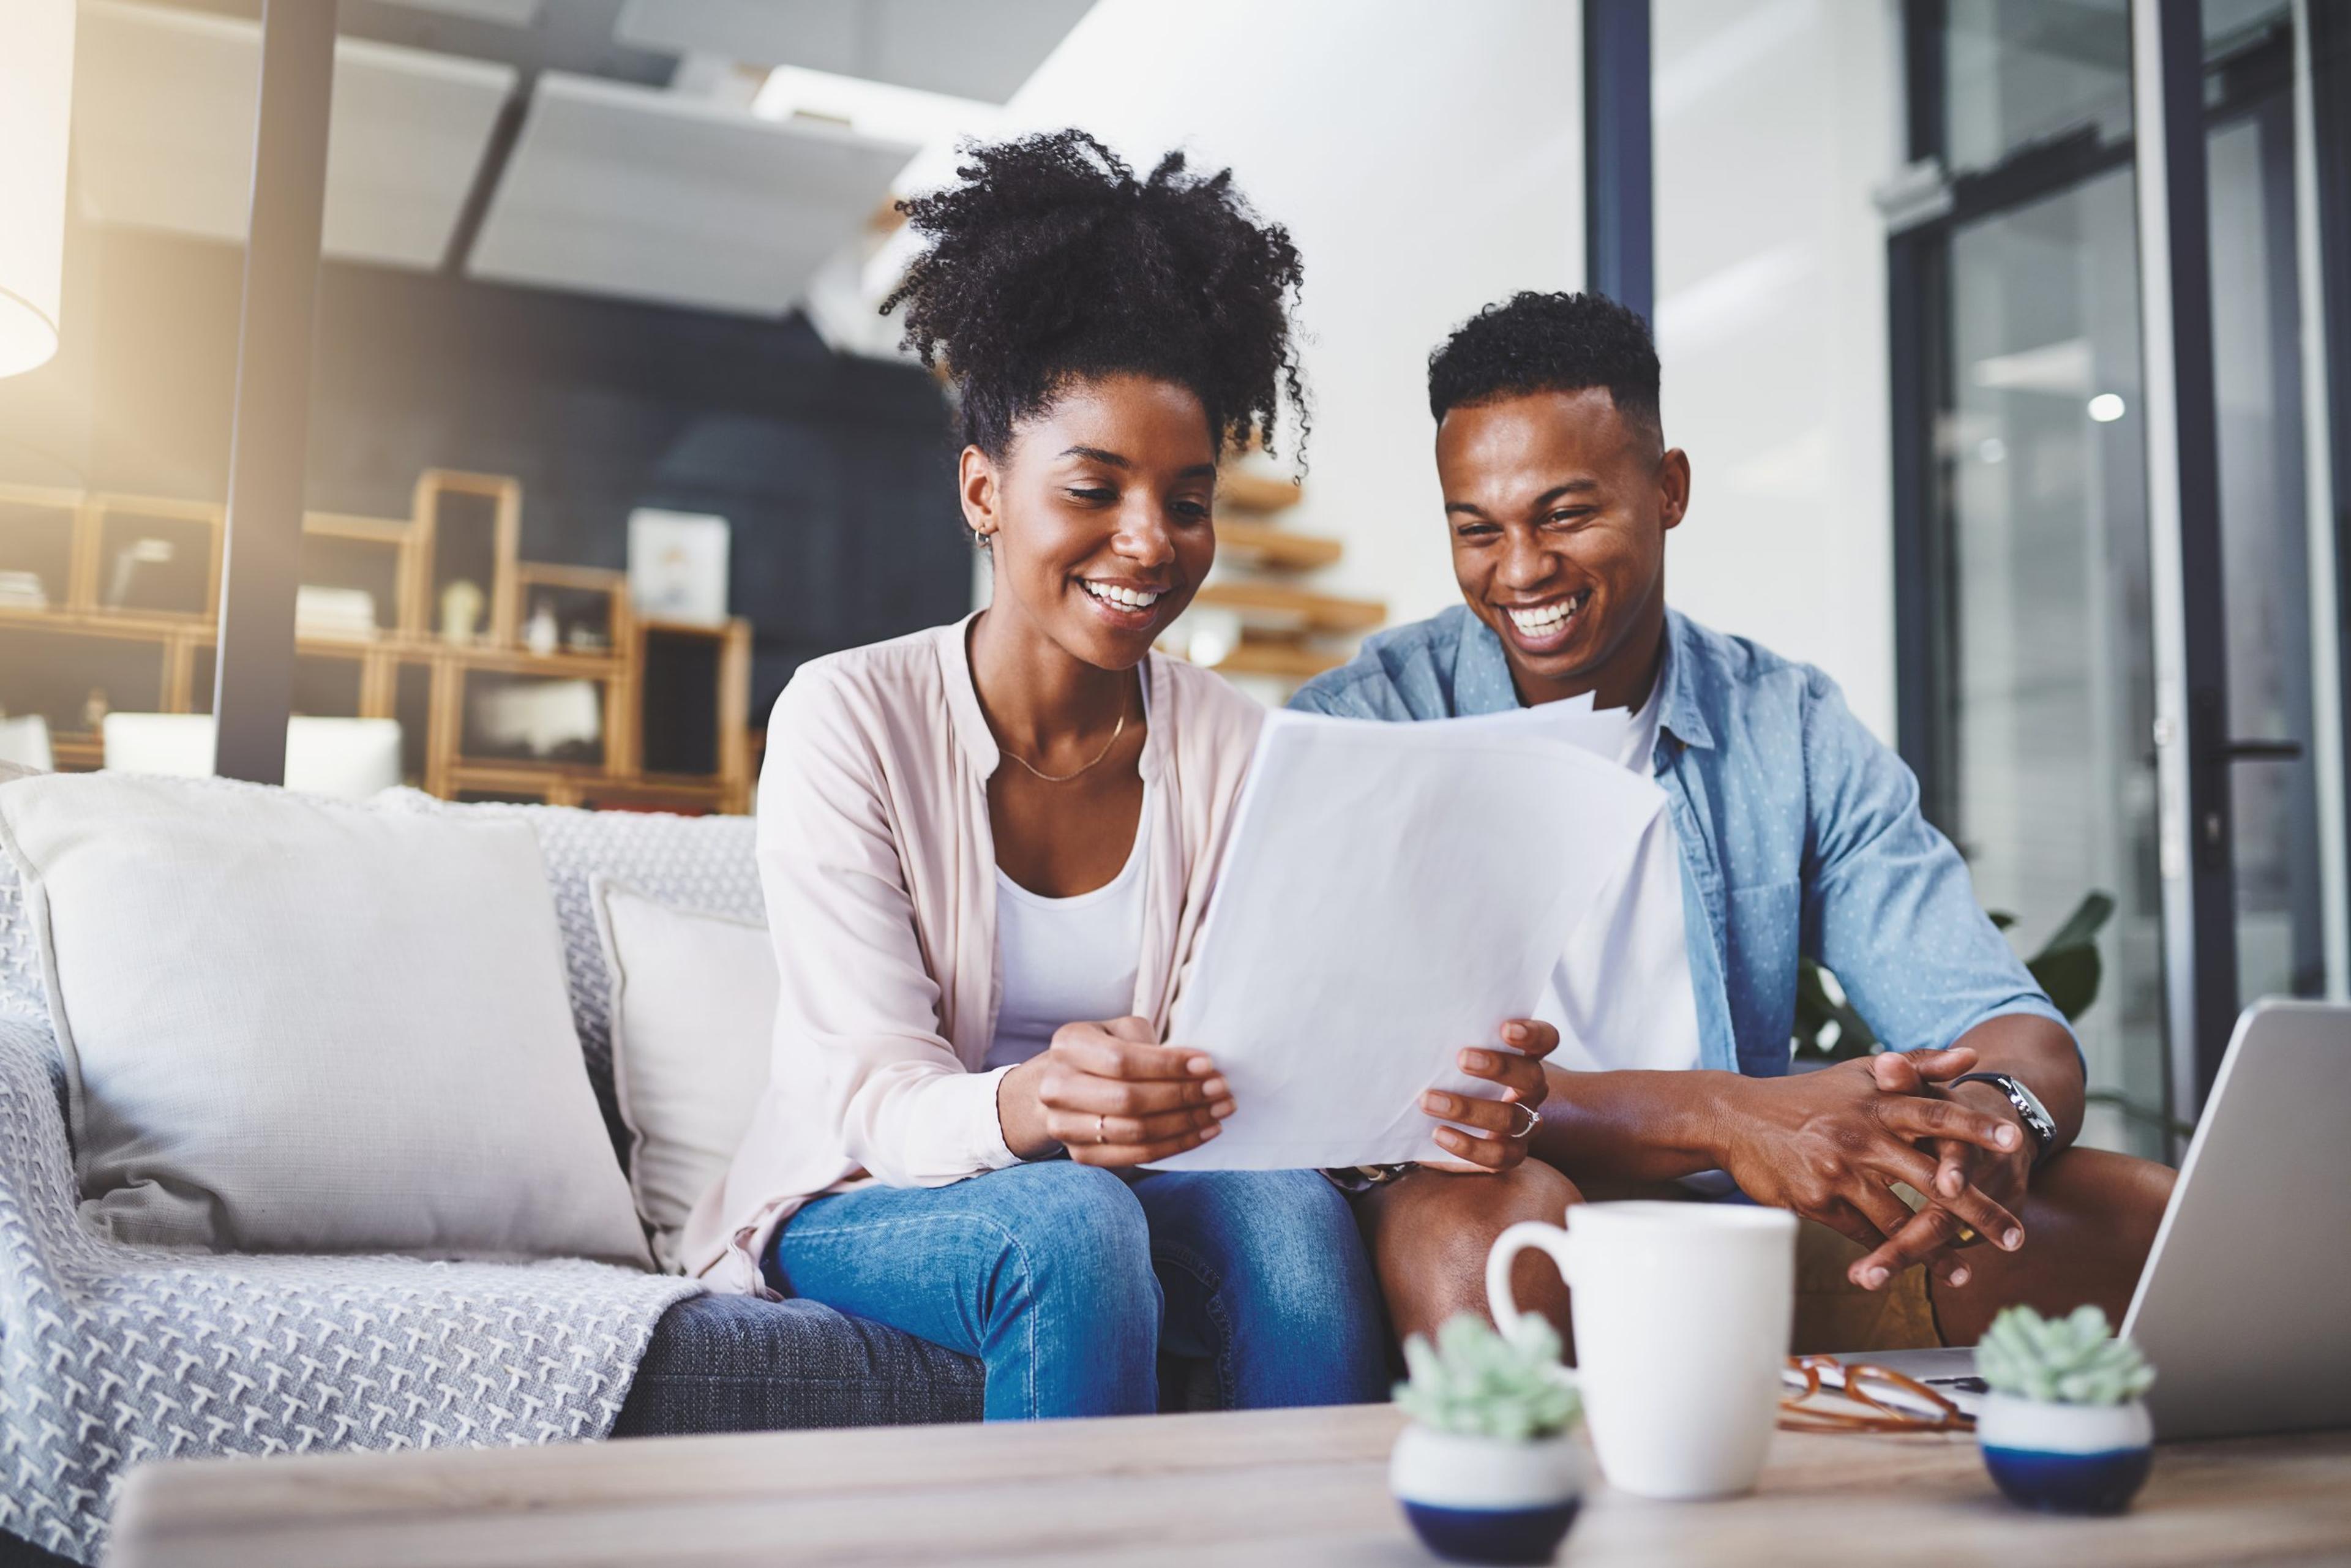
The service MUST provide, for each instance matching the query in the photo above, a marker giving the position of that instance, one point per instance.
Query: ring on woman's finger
(1534, 1119)
(1101, 1124)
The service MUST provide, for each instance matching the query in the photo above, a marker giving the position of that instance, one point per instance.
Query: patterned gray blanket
(112, 1354)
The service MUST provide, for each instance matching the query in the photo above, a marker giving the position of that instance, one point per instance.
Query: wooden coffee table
(1275, 1487)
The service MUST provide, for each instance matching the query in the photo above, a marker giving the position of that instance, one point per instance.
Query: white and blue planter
(2066, 1458)
(1486, 1500)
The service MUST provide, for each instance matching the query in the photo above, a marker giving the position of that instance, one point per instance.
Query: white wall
(1427, 159)
(1775, 121)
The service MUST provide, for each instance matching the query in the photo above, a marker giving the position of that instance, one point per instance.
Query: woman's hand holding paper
(1500, 1124)
(1113, 1097)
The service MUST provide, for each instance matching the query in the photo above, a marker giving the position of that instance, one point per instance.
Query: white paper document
(1392, 893)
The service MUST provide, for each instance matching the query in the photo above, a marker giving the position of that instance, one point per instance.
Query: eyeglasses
(1816, 1408)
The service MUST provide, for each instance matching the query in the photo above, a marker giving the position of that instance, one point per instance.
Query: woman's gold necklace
(1116, 730)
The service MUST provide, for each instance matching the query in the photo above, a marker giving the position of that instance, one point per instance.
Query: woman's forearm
(1635, 1126)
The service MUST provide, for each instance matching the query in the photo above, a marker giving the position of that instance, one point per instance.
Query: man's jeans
(1069, 1281)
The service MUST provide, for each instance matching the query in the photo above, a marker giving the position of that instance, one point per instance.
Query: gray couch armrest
(36, 1155)
(37, 1192)
(32, 1035)
(112, 1354)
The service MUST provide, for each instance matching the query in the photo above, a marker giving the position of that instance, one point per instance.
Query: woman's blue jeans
(1070, 1281)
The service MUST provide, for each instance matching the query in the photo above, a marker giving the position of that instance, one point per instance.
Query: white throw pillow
(693, 1007)
(302, 1025)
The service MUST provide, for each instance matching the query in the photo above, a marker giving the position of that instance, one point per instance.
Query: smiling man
(1799, 834)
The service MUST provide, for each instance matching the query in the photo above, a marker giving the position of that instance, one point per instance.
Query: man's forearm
(1634, 1126)
(2036, 1052)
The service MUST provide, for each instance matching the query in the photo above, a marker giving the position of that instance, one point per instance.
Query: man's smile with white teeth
(1542, 620)
(1123, 598)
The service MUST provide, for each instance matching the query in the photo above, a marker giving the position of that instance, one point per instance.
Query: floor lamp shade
(36, 40)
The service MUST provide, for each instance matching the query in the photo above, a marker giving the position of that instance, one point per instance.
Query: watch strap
(2027, 1108)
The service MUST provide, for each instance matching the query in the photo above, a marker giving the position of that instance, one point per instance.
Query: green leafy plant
(1480, 1383)
(2071, 1360)
(1829, 1029)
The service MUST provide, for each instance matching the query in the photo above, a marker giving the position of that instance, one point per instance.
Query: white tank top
(1067, 960)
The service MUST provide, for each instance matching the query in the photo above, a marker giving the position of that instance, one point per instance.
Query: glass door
(2052, 793)
(2023, 535)
(2265, 536)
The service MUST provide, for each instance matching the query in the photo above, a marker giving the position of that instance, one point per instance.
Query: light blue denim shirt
(1799, 834)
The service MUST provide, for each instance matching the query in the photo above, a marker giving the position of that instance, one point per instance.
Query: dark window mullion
(253, 676)
(2184, 520)
(1619, 225)
(2330, 102)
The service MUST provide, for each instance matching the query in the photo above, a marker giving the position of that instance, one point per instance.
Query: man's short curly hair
(1549, 342)
(1049, 261)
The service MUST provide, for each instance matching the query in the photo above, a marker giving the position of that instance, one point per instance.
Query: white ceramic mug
(1682, 1313)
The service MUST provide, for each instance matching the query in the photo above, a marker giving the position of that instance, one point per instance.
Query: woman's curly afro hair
(1051, 261)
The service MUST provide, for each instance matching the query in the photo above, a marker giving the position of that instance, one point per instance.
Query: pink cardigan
(879, 870)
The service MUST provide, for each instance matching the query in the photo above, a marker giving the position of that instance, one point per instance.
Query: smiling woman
(986, 848)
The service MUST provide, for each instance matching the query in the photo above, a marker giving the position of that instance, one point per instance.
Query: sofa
(111, 1355)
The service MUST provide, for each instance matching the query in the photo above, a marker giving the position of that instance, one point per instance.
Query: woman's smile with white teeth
(1124, 598)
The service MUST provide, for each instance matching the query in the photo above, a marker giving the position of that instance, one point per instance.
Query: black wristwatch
(2028, 1109)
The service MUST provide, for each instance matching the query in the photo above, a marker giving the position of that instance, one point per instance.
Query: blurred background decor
(619, 711)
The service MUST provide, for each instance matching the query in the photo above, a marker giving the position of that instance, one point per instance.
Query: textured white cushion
(301, 1025)
(694, 1006)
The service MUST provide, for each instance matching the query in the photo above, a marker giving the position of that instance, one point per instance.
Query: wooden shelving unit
(131, 586)
(1246, 490)
(1278, 607)
(1255, 617)
(1288, 662)
(1271, 547)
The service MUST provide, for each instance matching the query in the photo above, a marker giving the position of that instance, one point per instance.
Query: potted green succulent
(1487, 1472)
(2063, 1427)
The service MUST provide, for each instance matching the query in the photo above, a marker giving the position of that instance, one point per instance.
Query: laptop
(2244, 1307)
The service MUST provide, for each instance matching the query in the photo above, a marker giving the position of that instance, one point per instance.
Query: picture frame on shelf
(677, 566)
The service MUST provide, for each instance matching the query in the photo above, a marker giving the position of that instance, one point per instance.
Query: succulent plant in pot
(1487, 1471)
(2063, 1429)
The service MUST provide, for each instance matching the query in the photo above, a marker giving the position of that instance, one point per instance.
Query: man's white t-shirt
(1621, 995)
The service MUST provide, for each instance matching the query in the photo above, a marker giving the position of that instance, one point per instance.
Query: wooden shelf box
(587, 609)
(692, 683)
(468, 529)
(526, 718)
(373, 556)
(74, 675)
(149, 557)
(37, 549)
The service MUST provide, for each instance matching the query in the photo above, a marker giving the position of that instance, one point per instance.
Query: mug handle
(1506, 1246)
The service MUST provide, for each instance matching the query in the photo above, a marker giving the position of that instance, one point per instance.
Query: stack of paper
(1392, 893)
